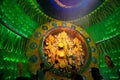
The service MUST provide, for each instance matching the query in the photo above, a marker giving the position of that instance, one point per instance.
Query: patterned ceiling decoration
(102, 10)
(68, 9)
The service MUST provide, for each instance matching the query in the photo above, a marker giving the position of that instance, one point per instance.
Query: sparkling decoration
(33, 45)
(54, 24)
(44, 27)
(93, 49)
(88, 39)
(37, 34)
(73, 27)
(63, 24)
(33, 59)
(81, 31)
(94, 60)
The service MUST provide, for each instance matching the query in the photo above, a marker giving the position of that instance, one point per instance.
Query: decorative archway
(64, 45)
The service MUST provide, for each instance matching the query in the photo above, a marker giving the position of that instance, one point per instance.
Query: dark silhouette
(75, 75)
(33, 76)
(2, 76)
(41, 72)
(78, 77)
(22, 78)
(96, 74)
(118, 71)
